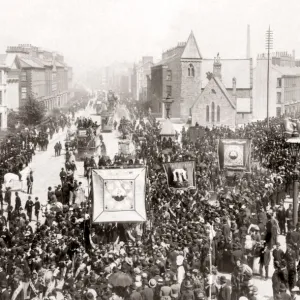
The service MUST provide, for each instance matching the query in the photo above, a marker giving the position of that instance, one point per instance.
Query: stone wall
(227, 112)
(190, 87)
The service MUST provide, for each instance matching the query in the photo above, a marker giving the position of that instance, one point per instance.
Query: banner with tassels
(235, 154)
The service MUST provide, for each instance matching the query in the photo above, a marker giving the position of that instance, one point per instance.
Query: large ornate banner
(235, 154)
(180, 175)
(119, 195)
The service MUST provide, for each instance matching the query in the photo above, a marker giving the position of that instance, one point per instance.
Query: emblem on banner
(233, 155)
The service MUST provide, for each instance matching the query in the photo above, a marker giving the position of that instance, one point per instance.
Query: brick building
(215, 106)
(43, 75)
(182, 74)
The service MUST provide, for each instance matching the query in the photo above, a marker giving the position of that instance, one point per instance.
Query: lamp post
(294, 147)
(168, 103)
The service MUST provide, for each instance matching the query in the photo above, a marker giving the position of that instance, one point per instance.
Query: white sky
(99, 32)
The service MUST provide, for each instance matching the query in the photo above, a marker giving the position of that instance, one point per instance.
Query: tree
(13, 119)
(32, 112)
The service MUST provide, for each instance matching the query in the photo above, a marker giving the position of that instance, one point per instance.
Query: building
(284, 85)
(182, 74)
(141, 71)
(216, 106)
(43, 75)
(3, 92)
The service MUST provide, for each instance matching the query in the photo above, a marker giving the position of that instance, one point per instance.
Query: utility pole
(269, 46)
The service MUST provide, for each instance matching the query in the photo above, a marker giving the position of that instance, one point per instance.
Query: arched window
(207, 113)
(218, 113)
(213, 112)
(191, 71)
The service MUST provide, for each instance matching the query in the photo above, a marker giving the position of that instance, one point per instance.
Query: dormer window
(191, 71)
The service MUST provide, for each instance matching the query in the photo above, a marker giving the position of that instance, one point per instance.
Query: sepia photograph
(149, 150)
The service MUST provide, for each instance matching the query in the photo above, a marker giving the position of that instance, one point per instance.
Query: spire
(248, 43)
(191, 50)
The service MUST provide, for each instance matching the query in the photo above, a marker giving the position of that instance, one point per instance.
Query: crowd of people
(189, 248)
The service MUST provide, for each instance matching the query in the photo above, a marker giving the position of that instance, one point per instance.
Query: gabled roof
(191, 50)
(224, 90)
(167, 128)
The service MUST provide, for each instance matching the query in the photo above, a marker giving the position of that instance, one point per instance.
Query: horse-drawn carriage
(87, 145)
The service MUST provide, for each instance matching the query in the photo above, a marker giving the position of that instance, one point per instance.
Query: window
(23, 76)
(23, 93)
(169, 75)
(0, 77)
(218, 113)
(0, 97)
(213, 112)
(279, 82)
(191, 71)
(207, 113)
(278, 98)
(169, 90)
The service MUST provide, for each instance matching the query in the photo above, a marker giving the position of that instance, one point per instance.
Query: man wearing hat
(283, 294)
(224, 291)
(28, 207)
(187, 293)
(4, 292)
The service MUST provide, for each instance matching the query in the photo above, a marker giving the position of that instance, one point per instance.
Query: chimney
(233, 86)
(217, 72)
(294, 54)
(248, 42)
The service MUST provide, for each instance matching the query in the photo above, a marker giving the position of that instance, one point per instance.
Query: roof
(191, 50)
(224, 91)
(167, 128)
(238, 68)
(222, 88)
(30, 62)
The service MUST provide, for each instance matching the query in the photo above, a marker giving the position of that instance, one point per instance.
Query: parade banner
(119, 195)
(180, 175)
(235, 154)
(195, 132)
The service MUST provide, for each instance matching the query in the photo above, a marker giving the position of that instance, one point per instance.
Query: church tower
(191, 60)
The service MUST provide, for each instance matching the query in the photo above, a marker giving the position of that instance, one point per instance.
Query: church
(181, 75)
(215, 106)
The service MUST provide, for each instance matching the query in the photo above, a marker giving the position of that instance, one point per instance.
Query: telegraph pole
(269, 46)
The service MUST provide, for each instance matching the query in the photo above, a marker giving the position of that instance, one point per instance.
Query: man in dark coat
(18, 203)
(37, 208)
(4, 294)
(28, 207)
(7, 196)
(224, 291)
(293, 239)
(278, 253)
(281, 214)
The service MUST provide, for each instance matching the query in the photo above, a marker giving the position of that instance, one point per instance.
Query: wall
(190, 87)
(38, 83)
(156, 89)
(175, 83)
(227, 112)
